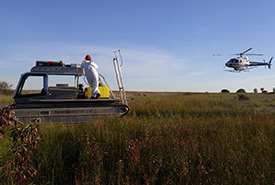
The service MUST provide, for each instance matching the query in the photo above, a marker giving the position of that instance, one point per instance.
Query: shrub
(4, 85)
(241, 91)
(263, 90)
(5, 88)
(242, 97)
(225, 91)
(24, 140)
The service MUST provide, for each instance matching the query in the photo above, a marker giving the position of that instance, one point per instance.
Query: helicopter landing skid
(236, 71)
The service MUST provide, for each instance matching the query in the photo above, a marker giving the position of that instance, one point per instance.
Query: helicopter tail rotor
(269, 63)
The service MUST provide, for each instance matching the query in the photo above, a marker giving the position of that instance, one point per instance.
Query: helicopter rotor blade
(241, 54)
(246, 51)
(255, 54)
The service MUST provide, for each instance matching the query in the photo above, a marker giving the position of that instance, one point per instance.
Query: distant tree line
(255, 90)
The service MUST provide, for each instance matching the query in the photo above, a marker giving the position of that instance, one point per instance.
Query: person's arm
(94, 65)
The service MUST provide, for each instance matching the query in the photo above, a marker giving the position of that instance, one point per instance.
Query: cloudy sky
(165, 45)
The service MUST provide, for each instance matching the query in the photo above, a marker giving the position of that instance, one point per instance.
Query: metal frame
(119, 77)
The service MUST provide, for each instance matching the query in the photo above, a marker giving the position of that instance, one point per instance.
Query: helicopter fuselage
(239, 64)
(242, 63)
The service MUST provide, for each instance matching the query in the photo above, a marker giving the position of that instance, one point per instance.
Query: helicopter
(242, 63)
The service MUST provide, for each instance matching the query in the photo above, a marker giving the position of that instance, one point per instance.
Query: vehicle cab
(39, 77)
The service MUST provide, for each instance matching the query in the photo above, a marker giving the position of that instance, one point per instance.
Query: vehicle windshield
(32, 85)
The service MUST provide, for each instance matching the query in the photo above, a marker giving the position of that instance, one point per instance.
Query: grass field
(168, 138)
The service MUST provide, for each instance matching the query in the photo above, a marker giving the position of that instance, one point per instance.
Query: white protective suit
(91, 75)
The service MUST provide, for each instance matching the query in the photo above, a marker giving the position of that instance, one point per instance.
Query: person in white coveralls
(91, 74)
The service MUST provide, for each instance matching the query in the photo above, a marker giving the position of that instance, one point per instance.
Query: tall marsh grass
(5, 100)
(171, 138)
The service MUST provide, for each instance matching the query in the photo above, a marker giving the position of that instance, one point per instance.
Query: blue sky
(165, 45)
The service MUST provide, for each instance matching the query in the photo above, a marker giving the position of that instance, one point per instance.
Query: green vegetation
(5, 100)
(168, 138)
(5, 94)
(5, 88)
(4, 85)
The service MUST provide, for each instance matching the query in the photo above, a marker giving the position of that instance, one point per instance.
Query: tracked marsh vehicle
(63, 103)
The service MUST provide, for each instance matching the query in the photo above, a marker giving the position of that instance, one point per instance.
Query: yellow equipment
(104, 91)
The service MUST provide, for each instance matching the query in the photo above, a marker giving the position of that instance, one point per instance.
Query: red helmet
(88, 57)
